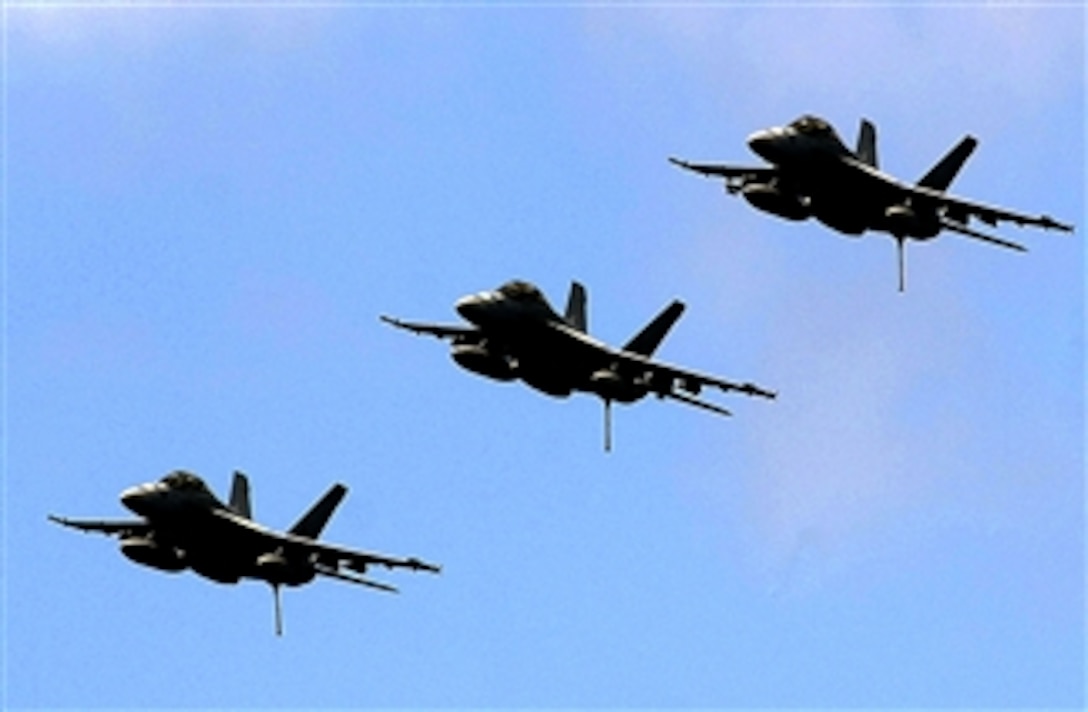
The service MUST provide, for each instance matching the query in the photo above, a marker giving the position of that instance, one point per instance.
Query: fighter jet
(813, 174)
(184, 526)
(515, 333)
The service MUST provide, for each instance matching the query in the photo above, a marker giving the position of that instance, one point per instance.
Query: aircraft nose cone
(142, 498)
(763, 143)
(134, 498)
(470, 307)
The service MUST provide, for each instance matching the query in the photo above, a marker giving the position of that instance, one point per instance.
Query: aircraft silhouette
(515, 334)
(184, 526)
(813, 174)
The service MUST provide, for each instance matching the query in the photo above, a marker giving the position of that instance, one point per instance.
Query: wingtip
(392, 321)
(420, 565)
(1049, 222)
(754, 390)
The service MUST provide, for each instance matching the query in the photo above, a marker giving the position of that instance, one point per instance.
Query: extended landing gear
(899, 240)
(608, 425)
(279, 609)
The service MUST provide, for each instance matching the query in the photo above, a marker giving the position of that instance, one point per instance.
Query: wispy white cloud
(863, 429)
(835, 458)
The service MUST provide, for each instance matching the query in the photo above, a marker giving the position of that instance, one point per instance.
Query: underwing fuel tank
(611, 386)
(148, 553)
(905, 220)
(478, 359)
(901, 219)
(768, 198)
(276, 569)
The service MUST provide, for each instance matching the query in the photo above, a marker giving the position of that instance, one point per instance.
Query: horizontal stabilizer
(315, 519)
(334, 573)
(685, 398)
(646, 341)
(964, 230)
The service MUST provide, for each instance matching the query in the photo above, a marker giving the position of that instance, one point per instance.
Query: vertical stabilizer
(647, 340)
(576, 308)
(239, 495)
(940, 176)
(867, 143)
(315, 519)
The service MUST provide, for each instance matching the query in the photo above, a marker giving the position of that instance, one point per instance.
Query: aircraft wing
(660, 376)
(657, 372)
(955, 211)
(717, 170)
(958, 210)
(112, 527)
(441, 331)
(330, 556)
(335, 556)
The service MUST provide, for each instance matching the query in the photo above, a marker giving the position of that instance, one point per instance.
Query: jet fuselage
(191, 528)
(522, 336)
(515, 334)
(817, 171)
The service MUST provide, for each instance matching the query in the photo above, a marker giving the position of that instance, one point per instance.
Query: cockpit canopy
(185, 482)
(521, 291)
(810, 125)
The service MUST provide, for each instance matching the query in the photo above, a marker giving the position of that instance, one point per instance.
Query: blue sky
(207, 209)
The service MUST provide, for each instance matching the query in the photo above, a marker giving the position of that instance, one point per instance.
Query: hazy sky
(206, 210)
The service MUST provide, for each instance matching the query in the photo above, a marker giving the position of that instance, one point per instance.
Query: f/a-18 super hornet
(813, 174)
(515, 333)
(184, 526)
